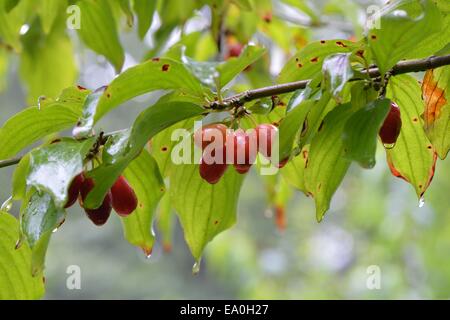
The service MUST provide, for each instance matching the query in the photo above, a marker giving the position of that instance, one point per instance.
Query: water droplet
(54, 230)
(421, 202)
(148, 252)
(7, 205)
(389, 145)
(196, 267)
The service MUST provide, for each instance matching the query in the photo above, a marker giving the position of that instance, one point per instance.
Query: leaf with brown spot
(410, 159)
(307, 62)
(436, 93)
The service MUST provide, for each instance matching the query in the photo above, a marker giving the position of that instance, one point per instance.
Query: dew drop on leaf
(421, 202)
(196, 267)
(7, 205)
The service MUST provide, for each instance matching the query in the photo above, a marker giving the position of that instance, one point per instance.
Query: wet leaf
(38, 218)
(61, 161)
(361, 132)
(204, 210)
(413, 158)
(327, 164)
(16, 281)
(337, 70)
(144, 177)
(436, 93)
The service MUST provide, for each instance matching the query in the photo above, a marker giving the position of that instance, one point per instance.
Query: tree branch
(249, 95)
(400, 68)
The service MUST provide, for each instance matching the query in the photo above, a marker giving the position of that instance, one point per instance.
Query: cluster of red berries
(390, 130)
(244, 147)
(121, 197)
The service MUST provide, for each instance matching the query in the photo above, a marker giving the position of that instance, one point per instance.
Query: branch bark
(402, 67)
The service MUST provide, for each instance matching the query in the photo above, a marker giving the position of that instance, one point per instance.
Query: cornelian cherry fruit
(209, 133)
(124, 200)
(390, 130)
(74, 190)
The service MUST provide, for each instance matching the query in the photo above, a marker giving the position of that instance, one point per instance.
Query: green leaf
(361, 132)
(125, 6)
(235, 65)
(3, 69)
(294, 171)
(244, 4)
(16, 282)
(148, 124)
(39, 217)
(19, 180)
(291, 125)
(99, 31)
(145, 10)
(327, 163)
(49, 11)
(204, 210)
(307, 62)
(162, 145)
(405, 25)
(61, 161)
(34, 123)
(413, 158)
(434, 43)
(337, 70)
(152, 75)
(12, 17)
(10, 4)
(314, 118)
(166, 222)
(436, 93)
(144, 177)
(48, 66)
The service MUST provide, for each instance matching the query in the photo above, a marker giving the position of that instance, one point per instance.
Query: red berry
(100, 215)
(124, 200)
(266, 134)
(245, 147)
(206, 135)
(74, 190)
(242, 168)
(234, 50)
(282, 163)
(214, 171)
(390, 129)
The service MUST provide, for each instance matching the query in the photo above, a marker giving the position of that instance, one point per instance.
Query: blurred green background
(374, 219)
